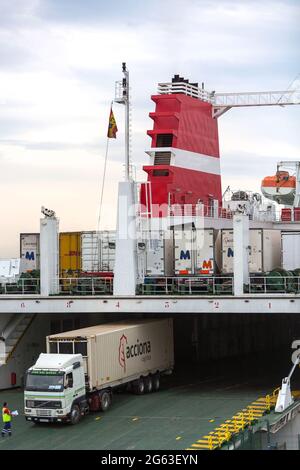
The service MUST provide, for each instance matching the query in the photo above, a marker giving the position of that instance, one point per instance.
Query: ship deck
(161, 304)
(190, 404)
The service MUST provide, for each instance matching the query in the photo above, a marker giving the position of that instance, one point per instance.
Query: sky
(59, 60)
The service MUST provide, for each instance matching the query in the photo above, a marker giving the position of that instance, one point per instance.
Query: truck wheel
(139, 387)
(148, 384)
(75, 415)
(155, 383)
(105, 401)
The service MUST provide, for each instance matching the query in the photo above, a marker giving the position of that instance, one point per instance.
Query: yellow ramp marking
(224, 432)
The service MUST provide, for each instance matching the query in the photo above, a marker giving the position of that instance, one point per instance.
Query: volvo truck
(82, 368)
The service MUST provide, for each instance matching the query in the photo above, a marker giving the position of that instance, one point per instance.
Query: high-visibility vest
(5, 416)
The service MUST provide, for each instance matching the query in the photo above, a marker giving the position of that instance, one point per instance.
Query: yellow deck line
(224, 432)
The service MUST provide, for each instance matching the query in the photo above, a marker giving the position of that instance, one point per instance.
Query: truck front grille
(51, 405)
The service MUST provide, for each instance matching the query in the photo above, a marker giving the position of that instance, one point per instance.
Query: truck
(82, 368)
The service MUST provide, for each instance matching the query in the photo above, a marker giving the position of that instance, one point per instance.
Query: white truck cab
(55, 389)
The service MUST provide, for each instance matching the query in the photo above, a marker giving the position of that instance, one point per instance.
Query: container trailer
(90, 252)
(69, 254)
(107, 250)
(29, 252)
(159, 254)
(98, 251)
(82, 368)
(290, 250)
(264, 250)
(194, 252)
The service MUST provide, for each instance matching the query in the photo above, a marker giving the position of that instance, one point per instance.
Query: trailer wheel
(155, 382)
(139, 386)
(105, 401)
(75, 415)
(148, 384)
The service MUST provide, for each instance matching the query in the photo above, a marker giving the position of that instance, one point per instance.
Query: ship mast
(122, 97)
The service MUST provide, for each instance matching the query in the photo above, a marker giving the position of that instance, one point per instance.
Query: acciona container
(29, 251)
(264, 251)
(116, 353)
(290, 250)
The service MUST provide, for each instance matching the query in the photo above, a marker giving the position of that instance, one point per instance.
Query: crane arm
(222, 102)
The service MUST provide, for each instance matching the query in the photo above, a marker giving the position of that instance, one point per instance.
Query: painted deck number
(216, 304)
(167, 305)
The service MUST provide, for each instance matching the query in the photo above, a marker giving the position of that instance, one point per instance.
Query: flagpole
(103, 181)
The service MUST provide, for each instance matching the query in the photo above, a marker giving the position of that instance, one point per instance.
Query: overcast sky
(59, 60)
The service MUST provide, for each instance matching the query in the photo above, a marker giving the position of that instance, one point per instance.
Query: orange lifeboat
(280, 188)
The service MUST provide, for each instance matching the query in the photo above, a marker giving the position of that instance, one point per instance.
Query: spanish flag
(112, 126)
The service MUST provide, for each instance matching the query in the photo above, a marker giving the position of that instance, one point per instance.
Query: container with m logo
(185, 254)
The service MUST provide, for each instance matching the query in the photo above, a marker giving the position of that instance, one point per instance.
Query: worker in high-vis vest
(6, 418)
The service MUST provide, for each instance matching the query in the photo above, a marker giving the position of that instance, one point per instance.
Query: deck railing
(274, 284)
(180, 285)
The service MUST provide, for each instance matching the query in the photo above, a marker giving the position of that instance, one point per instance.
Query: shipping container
(9, 269)
(107, 250)
(69, 254)
(290, 250)
(159, 254)
(115, 353)
(29, 251)
(264, 252)
(184, 258)
(194, 252)
(90, 251)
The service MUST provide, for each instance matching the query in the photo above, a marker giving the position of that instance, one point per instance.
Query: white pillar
(241, 252)
(49, 250)
(297, 195)
(125, 271)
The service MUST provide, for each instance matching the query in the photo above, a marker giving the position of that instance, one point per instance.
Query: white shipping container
(184, 241)
(90, 251)
(194, 252)
(98, 251)
(29, 251)
(264, 253)
(205, 256)
(107, 250)
(159, 254)
(290, 250)
(115, 353)
(9, 269)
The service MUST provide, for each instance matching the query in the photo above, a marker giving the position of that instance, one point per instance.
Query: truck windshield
(45, 381)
